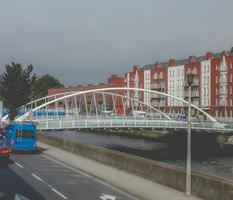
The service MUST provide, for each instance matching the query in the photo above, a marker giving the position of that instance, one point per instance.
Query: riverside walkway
(131, 184)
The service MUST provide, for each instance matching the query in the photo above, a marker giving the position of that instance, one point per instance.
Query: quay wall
(203, 186)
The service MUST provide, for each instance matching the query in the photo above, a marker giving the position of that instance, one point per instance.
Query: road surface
(37, 176)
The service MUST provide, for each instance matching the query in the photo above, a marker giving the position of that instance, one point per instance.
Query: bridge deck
(93, 123)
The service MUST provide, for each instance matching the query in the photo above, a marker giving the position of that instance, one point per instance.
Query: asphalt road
(37, 176)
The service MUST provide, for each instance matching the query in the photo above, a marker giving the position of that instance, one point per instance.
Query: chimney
(156, 65)
(135, 67)
(192, 58)
(209, 55)
(172, 62)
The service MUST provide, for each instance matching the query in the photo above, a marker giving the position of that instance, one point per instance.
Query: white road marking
(37, 177)
(21, 166)
(60, 194)
(107, 197)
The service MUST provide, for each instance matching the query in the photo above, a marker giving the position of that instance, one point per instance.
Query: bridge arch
(45, 99)
(73, 94)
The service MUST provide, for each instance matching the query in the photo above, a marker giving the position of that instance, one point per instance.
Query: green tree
(42, 84)
(15, 84)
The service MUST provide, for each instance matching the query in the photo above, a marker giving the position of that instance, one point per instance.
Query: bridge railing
(121, 123)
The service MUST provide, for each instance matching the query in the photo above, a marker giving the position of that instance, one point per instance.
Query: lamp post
(190, 77)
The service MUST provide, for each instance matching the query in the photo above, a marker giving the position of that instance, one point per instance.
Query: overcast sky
(84, 41)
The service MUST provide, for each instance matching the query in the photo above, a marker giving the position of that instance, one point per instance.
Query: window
(195, 70)
(25, 134)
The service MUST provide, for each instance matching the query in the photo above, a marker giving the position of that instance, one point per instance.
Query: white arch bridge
(114, 108)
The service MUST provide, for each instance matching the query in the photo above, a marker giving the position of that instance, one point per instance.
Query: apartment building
(159, 83)
(147, 85)
(135, 79)
(175, 82)
(118, 81)
(205, 96)
(221, 84)
(212, 88)
(193, 65)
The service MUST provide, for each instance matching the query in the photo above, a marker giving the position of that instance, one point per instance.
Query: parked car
(4, 148)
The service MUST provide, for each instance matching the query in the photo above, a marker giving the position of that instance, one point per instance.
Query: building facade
(212, 88)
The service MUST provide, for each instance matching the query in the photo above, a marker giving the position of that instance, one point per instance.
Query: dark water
(207, 156)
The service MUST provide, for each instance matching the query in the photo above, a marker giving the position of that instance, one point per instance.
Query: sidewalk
(134, 185)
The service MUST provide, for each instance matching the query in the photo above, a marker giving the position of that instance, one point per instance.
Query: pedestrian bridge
(98, 123)
(115, 108)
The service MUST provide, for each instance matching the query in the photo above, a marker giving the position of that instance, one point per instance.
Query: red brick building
(159, 83)
(212, 89)
(117, 81)
(193, 65)
(221, 84)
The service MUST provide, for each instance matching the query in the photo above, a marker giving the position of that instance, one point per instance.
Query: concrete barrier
(203, 186)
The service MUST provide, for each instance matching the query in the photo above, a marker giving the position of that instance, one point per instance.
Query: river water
(207, 158)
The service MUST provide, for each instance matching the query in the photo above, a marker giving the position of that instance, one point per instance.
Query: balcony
(196, 103)
(195, 83)
(157, 86)
(223, 68)
(223, 80)
(161, 76)
(158, 103)
(158, 77)
(153, 95)
(193, 93)
(223, 92)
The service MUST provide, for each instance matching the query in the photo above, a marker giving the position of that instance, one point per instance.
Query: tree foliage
(42, 84)
(15, 84)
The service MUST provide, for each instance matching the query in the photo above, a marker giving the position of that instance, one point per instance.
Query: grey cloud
(81, 41)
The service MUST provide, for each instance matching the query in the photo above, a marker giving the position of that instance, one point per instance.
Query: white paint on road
(21, 166)
(107, 197)
(37, 177)
(60, 194)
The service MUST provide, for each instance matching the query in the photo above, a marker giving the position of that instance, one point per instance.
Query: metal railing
(92, 123)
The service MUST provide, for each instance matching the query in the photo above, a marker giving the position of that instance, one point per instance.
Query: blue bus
(22, 136)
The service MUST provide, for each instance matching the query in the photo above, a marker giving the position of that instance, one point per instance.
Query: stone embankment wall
(134, 132)
(203, 186)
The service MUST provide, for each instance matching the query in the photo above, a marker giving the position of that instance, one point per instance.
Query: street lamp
(190, 77)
